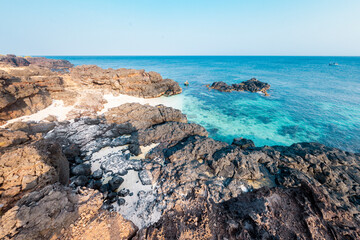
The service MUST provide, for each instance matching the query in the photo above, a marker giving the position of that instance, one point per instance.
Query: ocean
(309, 100)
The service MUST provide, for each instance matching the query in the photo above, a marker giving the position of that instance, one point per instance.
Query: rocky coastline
(251, 85)
(144, 172)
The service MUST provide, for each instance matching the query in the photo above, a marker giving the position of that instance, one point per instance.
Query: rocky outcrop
(302, 212)
(138, 116)
(28, 165)
(29, 85)
(303, 178)
(57, 212)
(125, 81)
(252, 85)
(14, 61)
(26, 91)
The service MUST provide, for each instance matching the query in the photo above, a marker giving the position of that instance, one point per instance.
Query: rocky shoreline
(251, 85)
(144, 172)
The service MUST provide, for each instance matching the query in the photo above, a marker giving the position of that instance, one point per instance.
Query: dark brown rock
(252, 85)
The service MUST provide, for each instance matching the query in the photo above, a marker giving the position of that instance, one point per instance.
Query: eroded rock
(252, 85)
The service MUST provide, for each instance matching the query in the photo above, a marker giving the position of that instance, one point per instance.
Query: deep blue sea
(310, 100)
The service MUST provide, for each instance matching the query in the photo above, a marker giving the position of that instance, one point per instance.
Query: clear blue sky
(180, 27)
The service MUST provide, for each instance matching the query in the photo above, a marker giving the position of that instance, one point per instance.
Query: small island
(251, 85)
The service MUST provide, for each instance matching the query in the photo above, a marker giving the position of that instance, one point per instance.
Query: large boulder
(252, 85)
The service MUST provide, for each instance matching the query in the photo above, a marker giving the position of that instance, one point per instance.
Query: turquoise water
(310, 100)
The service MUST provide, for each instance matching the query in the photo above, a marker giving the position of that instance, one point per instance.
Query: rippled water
(310, 100)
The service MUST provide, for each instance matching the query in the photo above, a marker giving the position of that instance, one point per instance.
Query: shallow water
(310, 100)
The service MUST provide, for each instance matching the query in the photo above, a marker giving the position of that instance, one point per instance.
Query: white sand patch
(57, 109)
(139, 207)
(144, 151)
(95, 165)
(115, 101)
(136, 206)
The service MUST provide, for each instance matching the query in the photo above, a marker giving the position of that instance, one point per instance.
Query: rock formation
(29, 85)
(252, 85)
(125, 81)
(26, 91)
(15, 61)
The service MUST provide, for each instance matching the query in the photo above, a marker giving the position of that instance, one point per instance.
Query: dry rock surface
(29, 85)
(16, 61)
(125, 81)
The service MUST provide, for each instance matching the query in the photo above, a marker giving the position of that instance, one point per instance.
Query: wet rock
(97, 174)
(252, 85)
(94, 184)
(121, 201)
(145, 177)
(123, 192)
(111, 196)
(105, 188)
(115, 182)
(78, 160)
(81, 169)
(243, 143)
(80, 180)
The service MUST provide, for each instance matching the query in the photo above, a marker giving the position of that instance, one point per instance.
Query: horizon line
(206, 55)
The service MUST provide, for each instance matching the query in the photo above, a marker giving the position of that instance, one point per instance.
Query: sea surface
(310, 100)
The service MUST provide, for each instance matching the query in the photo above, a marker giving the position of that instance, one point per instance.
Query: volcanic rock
(115, 182)
(243, 143)
(81, 169)
(252, 85)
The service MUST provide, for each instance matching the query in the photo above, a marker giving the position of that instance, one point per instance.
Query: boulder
(243, 143)
(252, 85)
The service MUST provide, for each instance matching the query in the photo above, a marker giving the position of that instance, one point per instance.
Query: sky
(180, 27)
